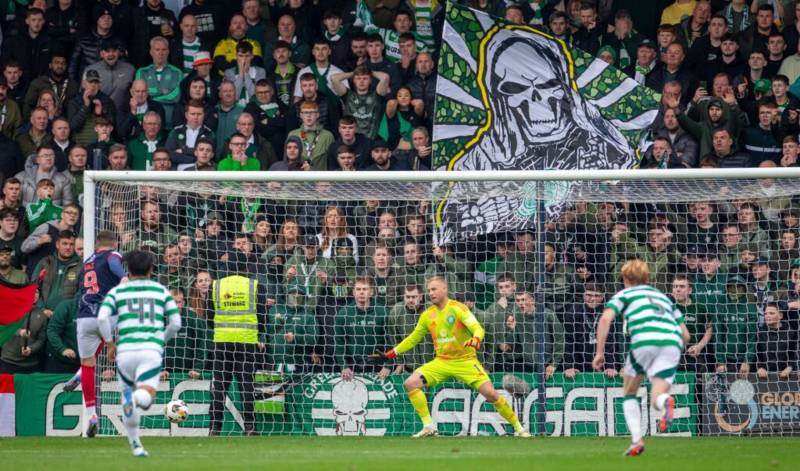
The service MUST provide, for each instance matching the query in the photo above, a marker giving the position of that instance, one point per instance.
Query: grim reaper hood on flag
(509, 97)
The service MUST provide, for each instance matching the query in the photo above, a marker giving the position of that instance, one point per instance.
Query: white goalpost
(344, 258)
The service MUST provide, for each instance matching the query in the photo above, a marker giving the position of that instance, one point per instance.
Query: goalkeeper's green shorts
(468, 371)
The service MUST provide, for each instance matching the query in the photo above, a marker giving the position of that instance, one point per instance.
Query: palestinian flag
(17, 301)
(7, 406)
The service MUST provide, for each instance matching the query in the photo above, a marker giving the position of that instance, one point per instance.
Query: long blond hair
(331, 234)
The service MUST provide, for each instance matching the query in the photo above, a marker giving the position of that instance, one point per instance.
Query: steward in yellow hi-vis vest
(237, 318)
(456, 336)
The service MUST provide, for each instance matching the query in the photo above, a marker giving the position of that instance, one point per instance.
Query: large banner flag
(510, 97)
(17, 303)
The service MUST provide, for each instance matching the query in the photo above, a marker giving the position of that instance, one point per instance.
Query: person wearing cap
(183, 48)
(645, 61)
(238, 322)
(706, 48)
(163, 79)
(87, 49)
(116, 74)
(382, 159)
(311, 270)
(31, 48)
(735, 329)
(201, 69)
(85, 109)
(7, 271)
(55, 79)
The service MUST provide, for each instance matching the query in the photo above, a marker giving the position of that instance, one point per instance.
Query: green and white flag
(510, 97)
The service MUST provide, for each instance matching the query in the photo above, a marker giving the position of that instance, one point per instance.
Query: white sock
(91, 410)
(660, 402)
(132, 427)
(633, 417)
(142, 398)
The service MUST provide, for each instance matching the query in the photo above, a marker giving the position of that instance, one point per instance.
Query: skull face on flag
(536, 116)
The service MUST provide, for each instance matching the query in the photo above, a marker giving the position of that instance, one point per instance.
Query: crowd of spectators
(349, 86)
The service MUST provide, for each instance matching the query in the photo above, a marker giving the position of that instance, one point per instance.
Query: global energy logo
(350, 408)
(735, 408)
(753, 405)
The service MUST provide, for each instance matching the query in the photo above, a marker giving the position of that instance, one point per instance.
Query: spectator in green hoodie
(62, 338)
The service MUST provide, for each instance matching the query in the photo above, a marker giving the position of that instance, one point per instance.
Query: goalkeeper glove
(380, 357)
(474, 342)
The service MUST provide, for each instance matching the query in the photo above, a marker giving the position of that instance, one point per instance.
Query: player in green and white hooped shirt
(146, 317)
(657, 338)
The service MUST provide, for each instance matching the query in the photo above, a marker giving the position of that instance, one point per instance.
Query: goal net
(342, 268)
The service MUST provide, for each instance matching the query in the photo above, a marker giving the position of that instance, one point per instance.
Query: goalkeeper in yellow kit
(456, 336)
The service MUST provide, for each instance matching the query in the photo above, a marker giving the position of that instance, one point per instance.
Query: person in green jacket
(493, 318)
(163, 79)
(316, 139)
(359, 329)
(400, 321)
(293, 332)
(311, 270)
(58, 272)
(237, 160)
(186, 353)
(141, 148)
(710, 287)
(487, 271)
(43, 209)
(62, 338)
(518, 348)
(735, 326)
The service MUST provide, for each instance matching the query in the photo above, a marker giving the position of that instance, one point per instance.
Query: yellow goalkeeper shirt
(449, 328)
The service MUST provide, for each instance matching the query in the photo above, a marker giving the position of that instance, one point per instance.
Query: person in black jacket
(65, 24)
(87, 49)
(580, 335)
(30, 49)
(674, 69)
(269, 114)
(777, 345)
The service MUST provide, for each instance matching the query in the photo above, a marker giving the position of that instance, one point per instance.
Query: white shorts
(89, 337)
(653, 362)
(140, 367)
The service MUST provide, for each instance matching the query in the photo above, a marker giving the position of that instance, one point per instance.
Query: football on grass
(176, 411)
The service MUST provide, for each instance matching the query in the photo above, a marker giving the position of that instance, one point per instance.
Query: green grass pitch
(406, 454)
